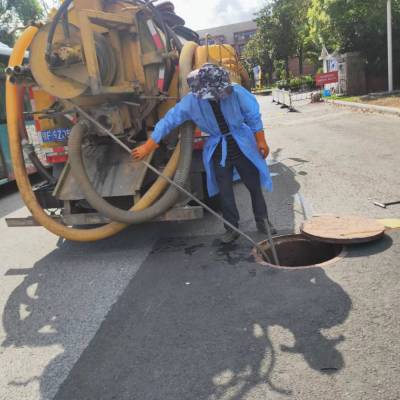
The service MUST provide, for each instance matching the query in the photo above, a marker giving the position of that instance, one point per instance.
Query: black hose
(171, 65)
(169, 198)
(41, 169)
(60, 12)
(175, 38)
(187, 33)
(65, 26)
(160, 21)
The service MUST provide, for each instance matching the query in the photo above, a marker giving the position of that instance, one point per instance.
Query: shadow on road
(369, 249)
(194, 324)
(64, 297)
(281, 202)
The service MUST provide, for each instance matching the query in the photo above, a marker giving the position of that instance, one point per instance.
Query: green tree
(321, 30)
(300, 28)
(284, 24)
(258, 51)
(16, 13)
(355, 25)
(276, 21)
(304, 47)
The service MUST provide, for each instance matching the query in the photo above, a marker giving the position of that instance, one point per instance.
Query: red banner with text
(329, 77)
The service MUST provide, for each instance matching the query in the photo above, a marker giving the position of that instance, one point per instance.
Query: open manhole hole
(298, 251)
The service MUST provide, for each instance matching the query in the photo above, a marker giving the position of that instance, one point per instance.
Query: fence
(286, 98)
(282, 97)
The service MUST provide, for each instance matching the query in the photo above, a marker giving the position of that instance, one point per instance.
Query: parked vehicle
(6, 168)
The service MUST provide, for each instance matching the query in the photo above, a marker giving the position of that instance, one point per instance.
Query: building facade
(236, 35)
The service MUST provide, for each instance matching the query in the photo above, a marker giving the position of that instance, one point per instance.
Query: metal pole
(390, 46)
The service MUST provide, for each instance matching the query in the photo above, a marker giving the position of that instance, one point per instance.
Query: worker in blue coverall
(231, 116)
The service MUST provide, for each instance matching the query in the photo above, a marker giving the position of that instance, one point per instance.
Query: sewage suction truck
(125, 64)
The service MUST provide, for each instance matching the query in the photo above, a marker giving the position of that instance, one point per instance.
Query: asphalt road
(162, 312)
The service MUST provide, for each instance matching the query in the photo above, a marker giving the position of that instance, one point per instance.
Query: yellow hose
(21, 176)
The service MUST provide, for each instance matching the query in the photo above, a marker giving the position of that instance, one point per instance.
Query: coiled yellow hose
(14, 113)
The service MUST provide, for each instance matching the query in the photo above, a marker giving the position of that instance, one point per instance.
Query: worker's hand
(262, 144)
(144, 150)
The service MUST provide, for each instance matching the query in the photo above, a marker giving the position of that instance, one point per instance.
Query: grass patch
(385, 101)
(352, 99)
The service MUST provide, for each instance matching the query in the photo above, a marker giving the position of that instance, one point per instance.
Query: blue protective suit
(242, 113)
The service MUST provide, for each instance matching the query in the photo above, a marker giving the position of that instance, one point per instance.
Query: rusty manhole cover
(343, 229)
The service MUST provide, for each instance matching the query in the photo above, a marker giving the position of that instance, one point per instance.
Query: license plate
(55, 135)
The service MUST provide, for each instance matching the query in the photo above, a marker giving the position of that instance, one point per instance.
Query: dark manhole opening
(296, 251)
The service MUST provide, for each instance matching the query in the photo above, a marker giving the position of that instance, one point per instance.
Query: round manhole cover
(343, 229)
(298, 251)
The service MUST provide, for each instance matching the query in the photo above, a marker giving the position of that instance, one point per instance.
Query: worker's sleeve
(175, 117)
(250, 108)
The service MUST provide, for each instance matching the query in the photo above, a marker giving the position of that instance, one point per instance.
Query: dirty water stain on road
(169, 244)
(193, 249)
(233, 253)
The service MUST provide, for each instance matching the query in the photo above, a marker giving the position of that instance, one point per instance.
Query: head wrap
(209, 82)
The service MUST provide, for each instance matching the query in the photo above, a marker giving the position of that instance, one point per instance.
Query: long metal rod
(390, 46)
(271, 243)
(187, 193)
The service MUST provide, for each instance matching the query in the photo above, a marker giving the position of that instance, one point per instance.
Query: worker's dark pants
(251, 179)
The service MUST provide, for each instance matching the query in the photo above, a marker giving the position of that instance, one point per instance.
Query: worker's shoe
(262, 228)
(229, 236)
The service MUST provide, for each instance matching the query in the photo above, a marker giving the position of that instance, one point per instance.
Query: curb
(366, 107)
(262, 92)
